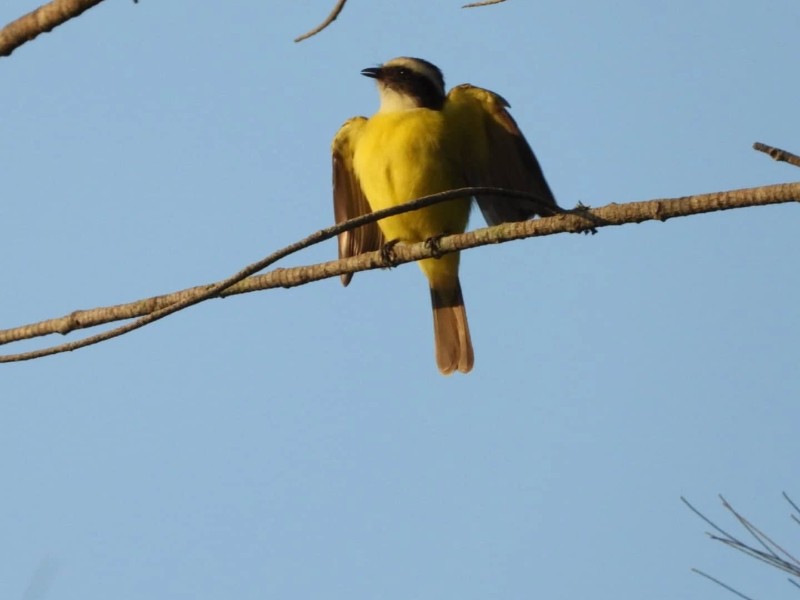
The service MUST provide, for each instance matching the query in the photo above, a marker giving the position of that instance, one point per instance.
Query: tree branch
(328, 20)
(767, 551)
(340, 5)
(582, 219)
(202, 293)
(778, 154)
(45, 18)
(482, 3)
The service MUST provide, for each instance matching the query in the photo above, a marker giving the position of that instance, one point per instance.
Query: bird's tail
(450, 329)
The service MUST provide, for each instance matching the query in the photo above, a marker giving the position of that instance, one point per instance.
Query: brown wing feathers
(507, 160)
(348, 199)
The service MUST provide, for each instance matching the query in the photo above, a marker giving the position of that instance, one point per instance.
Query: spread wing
(496, 154)
(348, 199)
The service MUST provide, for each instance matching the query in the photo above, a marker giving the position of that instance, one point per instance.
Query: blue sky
(301, 443)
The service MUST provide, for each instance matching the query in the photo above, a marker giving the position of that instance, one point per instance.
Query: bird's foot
(584, 211)
(432, 243)
(387, 254)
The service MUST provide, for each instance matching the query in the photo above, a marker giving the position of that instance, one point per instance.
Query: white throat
(392, 101)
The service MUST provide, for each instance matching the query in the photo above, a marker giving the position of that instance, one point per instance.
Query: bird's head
(405, 83)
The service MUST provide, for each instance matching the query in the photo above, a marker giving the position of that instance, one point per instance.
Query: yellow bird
(420, 142)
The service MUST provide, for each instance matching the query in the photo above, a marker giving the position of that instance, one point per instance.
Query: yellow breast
(402, 155)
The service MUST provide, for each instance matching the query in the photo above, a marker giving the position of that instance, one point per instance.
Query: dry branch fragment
(778, 154)
(328, 20)
(482, 3)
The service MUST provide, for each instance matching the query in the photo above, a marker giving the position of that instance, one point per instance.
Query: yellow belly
(404, 155)
(401, 156)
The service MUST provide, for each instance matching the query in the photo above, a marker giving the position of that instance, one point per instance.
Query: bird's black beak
(374, 72)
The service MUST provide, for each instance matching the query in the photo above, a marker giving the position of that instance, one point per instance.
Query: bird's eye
(402, 72)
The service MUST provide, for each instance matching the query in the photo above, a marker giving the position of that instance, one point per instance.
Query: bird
(421, 141)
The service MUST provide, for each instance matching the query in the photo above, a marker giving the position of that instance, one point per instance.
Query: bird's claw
(387, 254)
(583, 209)
(432, 243)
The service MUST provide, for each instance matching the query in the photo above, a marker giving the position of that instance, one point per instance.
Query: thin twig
(768, 555)
(766, 542)
(726, 586)
(789, 500)
(757, 535)
(154, 308)
(43, 19)
(328, 20)
(482, 3)
(707, 520)
(778, 154)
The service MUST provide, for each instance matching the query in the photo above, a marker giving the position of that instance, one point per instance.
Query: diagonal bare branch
(792, 565)
(152, 309)
(794, 517)
(482, 3)
(720, 583)
(45, 18)
(193, 296)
